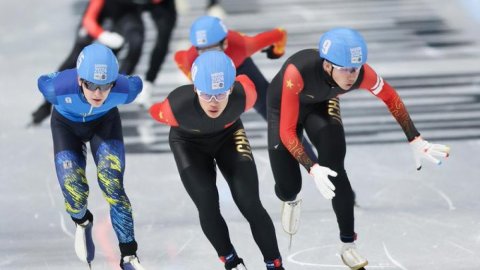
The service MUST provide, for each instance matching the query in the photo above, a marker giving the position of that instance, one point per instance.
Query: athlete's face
(212, 106)
(97, 96)
(344, 77)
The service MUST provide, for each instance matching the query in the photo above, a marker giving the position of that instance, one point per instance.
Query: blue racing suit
(75, 122)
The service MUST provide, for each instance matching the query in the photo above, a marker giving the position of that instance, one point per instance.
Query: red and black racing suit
(302, 96)
(199, 144)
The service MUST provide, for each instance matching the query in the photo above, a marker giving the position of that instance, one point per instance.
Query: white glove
(320, 176)
(422, 149)
(111, 39)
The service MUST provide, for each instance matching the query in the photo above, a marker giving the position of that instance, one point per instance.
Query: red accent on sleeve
(185, 59)
(229, 124)
(250, 91)
(289, 112)
(241, 46)
(90, 19)
(384, 91)
(263, 40)
(162, 112)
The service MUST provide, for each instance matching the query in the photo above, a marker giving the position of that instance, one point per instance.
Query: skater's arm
(381, 89)
(185, 59)
(47, 87)
(162, 112)
(135, 86)
(90, 18)
(276, 39)
(421, 148)
(250, 92)
(290, 107)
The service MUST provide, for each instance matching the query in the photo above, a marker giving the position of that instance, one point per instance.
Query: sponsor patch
(67, 164)
(100, 72)
(201, 37)
(356, 55)
(218, 80)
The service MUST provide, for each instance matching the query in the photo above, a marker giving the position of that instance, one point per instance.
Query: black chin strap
(330, 79)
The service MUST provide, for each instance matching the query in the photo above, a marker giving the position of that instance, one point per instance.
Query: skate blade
(290, 243)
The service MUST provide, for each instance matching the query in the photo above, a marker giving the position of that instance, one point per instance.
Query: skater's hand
(422, 149)
(271, 53)
(320, 176)
(111, 39)
(277, 49)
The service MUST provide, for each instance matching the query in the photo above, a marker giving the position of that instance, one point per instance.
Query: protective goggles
(218, 97)
(93, 86)
(346, 70)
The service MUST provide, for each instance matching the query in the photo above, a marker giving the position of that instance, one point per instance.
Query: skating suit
(302, 96)
(199, 143)
(74, 122)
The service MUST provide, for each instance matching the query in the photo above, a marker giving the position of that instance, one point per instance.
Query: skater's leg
(70, 165)
(198, 175)
(237, 165)
(109, 154)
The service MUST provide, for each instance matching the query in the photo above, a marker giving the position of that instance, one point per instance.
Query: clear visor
(218, 97)
(346, 70)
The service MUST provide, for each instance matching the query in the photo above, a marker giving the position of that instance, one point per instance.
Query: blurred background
(427, 49)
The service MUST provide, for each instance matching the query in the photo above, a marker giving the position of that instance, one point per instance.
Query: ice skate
(144, 99)
(233, 262)
(84, 246)
(131, 263)
(351, 257)
(291, 216)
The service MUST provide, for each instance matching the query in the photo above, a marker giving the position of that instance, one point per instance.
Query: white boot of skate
(131, 263)
(144, 99)
(84, 247)
(351, 257)
(291, 216)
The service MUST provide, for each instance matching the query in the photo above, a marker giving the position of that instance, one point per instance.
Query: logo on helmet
(201, 36)
(100, 72)
(218, 80)
(326, 46)
(356, 55)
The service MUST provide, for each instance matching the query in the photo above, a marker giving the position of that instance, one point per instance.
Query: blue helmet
(97, 63)
(344, 47)
(207, 31)
(213, 72)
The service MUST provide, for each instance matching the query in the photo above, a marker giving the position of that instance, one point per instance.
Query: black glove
(270, 53)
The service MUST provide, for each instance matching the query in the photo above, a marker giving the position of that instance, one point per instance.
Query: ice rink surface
(424, 220)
